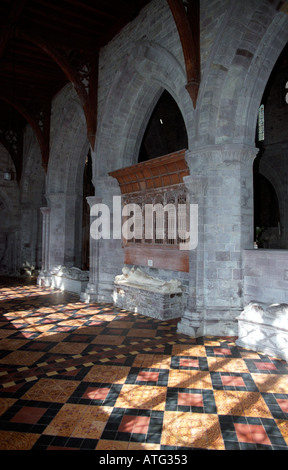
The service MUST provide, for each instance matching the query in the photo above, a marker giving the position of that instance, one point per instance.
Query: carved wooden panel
(156, 173)
(155, 215)
(161, 217)
(162, 258)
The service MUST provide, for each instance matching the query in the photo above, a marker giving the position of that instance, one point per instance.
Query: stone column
(191, 322)
(43, 277)
(106, 254)
(225, 229)
(30, 242)
(59, 233)
(91, 293)
(11, 258)
(63, 218)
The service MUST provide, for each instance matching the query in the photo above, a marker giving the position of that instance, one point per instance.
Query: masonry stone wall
(145, 58)
(266, 276)
(32, 197)
(64, 189)
(239, 47)
(9, 218)
(135, 67)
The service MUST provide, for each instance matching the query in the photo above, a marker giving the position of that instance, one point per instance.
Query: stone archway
(271, 160)
(123, 116)
(166, 131)
(62, 219)
(234, 82)
(32, 190)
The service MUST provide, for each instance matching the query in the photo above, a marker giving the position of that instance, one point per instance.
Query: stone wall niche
(156, 187)
(140, 293)
(106, 255)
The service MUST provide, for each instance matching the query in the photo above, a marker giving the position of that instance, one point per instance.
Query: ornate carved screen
(154, 192)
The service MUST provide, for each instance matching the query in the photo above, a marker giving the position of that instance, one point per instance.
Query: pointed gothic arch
(143, 75)
(270, 166)
(166, 131)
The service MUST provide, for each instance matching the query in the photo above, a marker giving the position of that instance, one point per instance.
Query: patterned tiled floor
(79, 376)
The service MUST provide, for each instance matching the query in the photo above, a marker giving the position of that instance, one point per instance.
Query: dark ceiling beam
(280, 5)
(42, 49)
(284, 7)
(88, 105)
(88, 99)
(77, 40)
(94, 10)
(15, 13)
(67, 16)
(22, 70)
(187, 19)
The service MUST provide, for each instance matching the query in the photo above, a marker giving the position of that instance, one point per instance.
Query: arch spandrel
(130, 102)
(236, 72)
(69, 145)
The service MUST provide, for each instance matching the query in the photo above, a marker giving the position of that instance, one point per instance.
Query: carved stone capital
(45, 210)
(203, 159)
(196, 185)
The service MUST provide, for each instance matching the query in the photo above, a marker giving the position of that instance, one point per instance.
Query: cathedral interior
(143, 225)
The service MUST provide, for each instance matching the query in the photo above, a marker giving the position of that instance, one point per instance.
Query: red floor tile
(93, 393)
(251, 433)
(183, 362)
(222, 351)
(148, 376)
(135, 424)
(190, 399)
(283, 403)
(28, 415)
(233, 381)
(265, 366)
(145, 364)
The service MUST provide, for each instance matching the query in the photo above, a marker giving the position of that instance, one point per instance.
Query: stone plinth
(149, 302)
(70, 285)
(69, 279)
(264, 328)
(139, 292)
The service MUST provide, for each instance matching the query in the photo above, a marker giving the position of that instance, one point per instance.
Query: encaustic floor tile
(77, 376)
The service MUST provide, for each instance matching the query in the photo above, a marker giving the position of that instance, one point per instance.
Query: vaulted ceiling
(43, 46)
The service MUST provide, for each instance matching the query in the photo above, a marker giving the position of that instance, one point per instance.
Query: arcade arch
(165, 132)
(64, 188)
(270, 166)
(142, 76)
